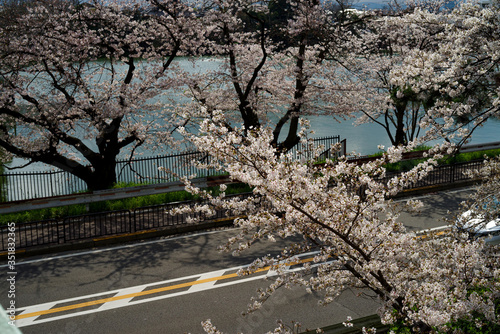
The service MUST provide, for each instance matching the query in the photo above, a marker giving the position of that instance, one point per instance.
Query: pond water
(365, 138)
(362, 139)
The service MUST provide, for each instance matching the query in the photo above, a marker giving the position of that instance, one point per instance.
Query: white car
(476, 226)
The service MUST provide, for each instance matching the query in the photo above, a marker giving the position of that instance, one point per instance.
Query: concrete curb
(121, 238)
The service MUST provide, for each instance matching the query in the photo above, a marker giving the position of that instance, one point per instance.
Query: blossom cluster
(79, 84)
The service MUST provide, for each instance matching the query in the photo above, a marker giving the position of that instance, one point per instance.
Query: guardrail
(444, 174)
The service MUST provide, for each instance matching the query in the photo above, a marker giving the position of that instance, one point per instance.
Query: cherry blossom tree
(462, 71)
(378, 49)
(264, 82)
(408, 6)
(342, 211)
(9, 9)
(81, 83)
(425, 68)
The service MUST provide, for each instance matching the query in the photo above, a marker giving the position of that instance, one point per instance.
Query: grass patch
(416, 149)
(470, 156)
(403, 166)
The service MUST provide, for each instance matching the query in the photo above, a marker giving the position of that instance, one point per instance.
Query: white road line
(31, 309)
(28, 309)
(439, 228)
(114, 304)
(19, 323)
(121, 302)
(206, 285)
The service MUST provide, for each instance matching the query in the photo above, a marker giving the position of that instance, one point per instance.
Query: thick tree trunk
(98, 176)
(400, 136)
(103, 177)
(292, 138)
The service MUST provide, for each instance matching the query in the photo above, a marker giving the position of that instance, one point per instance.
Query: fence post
(452, 172)
(132, 221)
(52, 183)
(3, 189)
(57, 230)
(63, 231)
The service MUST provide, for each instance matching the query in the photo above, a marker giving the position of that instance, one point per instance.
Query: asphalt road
(170, 285)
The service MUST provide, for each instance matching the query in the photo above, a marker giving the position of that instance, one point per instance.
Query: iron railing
(443, 174)
(95, 225)
(303, 151)
(31, 185)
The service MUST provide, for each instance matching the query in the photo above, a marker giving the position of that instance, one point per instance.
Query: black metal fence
(31, 185)
(95, 225)
(444, 174)
(129, 221)
(303, 151)
(147, 169)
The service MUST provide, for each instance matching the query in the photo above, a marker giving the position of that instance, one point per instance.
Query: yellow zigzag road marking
(142, 293)
(157, 290)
